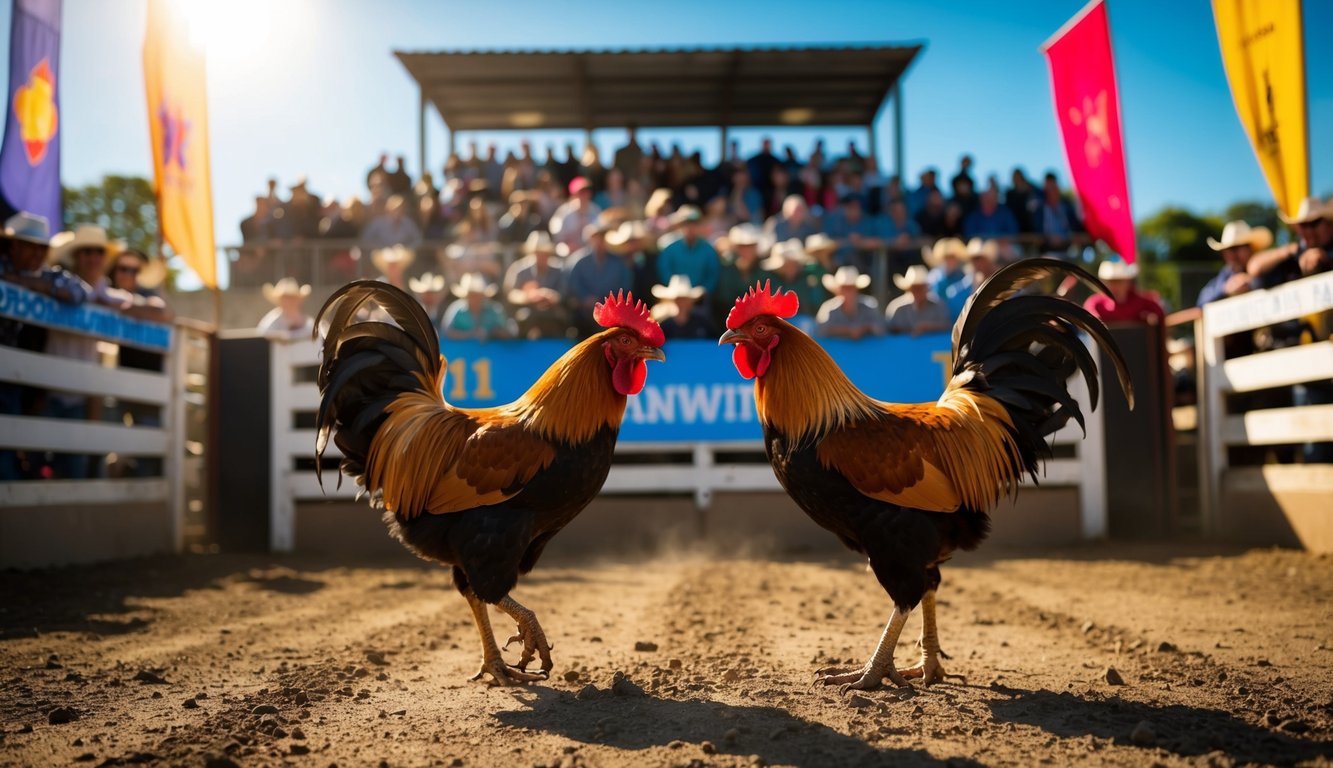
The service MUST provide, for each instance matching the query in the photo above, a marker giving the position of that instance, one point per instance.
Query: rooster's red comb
(761, 300)
(620, 310)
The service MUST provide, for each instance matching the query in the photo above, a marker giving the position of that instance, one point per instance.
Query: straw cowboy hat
(915, 275)
(743, 234)
(538, 240)
(1117, 269)
(1237, 233)
(686, 213)
(28, 227)
(64, 244)
(627, 232)
(473, 282)
(787, 250)
(943, 248)
(394, 254)
(677, 287)
(983, 248)
(820, 243)
(427, 283)
(287, 286)
(845, 276)
(1310, 210)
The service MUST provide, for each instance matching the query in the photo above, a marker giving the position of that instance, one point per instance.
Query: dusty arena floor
(229, 660)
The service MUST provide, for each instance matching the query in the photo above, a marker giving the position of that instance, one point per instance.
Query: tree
(1178, 234)
(122, 205)
(1256, 213)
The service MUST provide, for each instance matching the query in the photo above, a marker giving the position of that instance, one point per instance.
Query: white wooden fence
(94, 379)
(1219, 377)
(681, 467)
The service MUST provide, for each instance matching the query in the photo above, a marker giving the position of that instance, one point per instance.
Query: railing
(698, 468)
(164, 392)
(1279, 368)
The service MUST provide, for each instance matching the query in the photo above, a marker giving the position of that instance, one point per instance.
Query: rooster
(480, 489)
(907, 485)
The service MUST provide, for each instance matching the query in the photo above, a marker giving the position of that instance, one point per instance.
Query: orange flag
(178, 122)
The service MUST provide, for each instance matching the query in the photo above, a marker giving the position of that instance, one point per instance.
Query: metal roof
(586, 89)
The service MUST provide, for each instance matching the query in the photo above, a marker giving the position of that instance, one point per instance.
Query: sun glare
(231, 29)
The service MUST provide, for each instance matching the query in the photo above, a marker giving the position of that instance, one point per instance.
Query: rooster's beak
(732, 337)
(653, 353)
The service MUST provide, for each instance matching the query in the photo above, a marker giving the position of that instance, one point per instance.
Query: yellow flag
(1264, 56)
(178, 122)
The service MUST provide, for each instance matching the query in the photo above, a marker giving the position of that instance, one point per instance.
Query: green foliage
(1178, 234)
(122, 205)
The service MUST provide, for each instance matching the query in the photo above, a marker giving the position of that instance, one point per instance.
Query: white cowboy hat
(979, 247)
(539, 240)
(686, 213)
(787, 250)
(843, 277)
(915, 275)
(394, 254)
(1238, 232)
(627, 232)
(943, 248)
(427, 283)
(473, 282)
(287, 286)
(64, 244)
(820, 243)
(1117, 269)
(743, 234)
(676, 287)
(1310, 210)
(28, 227)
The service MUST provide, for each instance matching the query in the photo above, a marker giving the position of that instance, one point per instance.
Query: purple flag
(30, 156)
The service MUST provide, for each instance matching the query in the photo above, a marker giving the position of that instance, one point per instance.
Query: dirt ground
(690, 660)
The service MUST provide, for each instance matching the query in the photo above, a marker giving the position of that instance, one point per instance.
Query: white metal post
(282, 520)
(173, 416)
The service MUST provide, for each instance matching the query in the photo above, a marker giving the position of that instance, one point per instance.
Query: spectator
(789, 266)
(761, 167)
(342, 224)
(1310, 253)
(1126, 304)
(716, 221)
(614, 195)
(849, 314)
(657, 211)
(301, 213)
(1054, 218)
(981, 255)
(521, 220)
(990, 219)
(84, 251)
(629, 157)
(739, 269)
(1021, 200)
(689, 254)
(630, 242)
(380, 168)
(820, 248)
(132, 273)
(429, 290)
(964, 196)
(858, 235)
(931, 217)
(535, 286)
(465, 257)
(492, 171)
(1239, 242)
(793, 221)
(781, 187)
(945, 260)
(593, 273)
(573, 217)
(430, 219)
(288, 317)
(398, 180)
(255, 227)
(744, 203)
(928, 186)
(916, 311)
(393, 227)
(678, 311)
(475, 314)
(392, 263)
(478, 226)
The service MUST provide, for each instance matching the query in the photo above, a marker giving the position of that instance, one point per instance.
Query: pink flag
(1087, 107)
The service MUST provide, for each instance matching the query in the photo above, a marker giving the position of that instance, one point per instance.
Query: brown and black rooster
(480, 489)
(907, 485)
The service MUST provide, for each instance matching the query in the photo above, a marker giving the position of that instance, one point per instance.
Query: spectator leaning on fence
(1238, 244)
(849, 314)
(945, 259)
(981, 255)
(689, 254)
(916, 311)
(430, 290)
(132, 272)
(392, 263)
(1126, 304)
(678, 311)
(288, 316)
(1310, 253)
(475, 314)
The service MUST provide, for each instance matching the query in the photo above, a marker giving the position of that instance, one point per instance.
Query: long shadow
(644, 721)
(1181, 729)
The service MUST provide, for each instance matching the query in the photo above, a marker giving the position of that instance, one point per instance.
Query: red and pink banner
(1087, 108)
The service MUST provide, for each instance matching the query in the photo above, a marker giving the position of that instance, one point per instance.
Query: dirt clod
(62, 715)
(1143, 734)
(1112, 676)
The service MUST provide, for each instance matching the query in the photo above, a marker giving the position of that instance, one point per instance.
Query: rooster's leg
(492, 663)
(530, 633)
(929, 670)
(880, 665)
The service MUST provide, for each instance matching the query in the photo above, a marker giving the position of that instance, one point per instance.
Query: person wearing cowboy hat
(572, 218)
(689, 253)
(535, 286)
(475, 314)
(23, 261)
(849, 314)
(916, 311)
(1126, 304)
(820, 248)
(392, 227)
(981, 255)
(288, 316)
(429, 290)
(1239, 243)
(85, 251)
(739, 267)
(138, 276)
(594, 271)
(793, 220)
(678, 311)
(631, 242)
(1310, 253)
(791, 269)
(392, 263)
(945, 260)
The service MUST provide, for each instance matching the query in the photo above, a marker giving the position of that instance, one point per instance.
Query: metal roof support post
(898, 168)
(872, 144)
(421, 132)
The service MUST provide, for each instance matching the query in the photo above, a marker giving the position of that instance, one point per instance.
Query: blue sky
(310, 86)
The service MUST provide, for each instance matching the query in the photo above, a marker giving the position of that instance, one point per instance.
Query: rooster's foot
(529, 632)
(929, 672)
(866, 678)
(504, 674)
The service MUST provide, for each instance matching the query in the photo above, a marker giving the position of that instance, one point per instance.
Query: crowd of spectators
(543, 239)
(79, 266)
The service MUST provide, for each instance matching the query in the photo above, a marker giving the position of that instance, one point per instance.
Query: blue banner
(697, 395)
(24, 305)
(30, 155)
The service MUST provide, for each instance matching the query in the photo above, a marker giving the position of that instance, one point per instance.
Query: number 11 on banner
(481, 370)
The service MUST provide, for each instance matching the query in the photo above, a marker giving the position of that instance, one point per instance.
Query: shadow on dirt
(638, 722)
(1180, 729)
